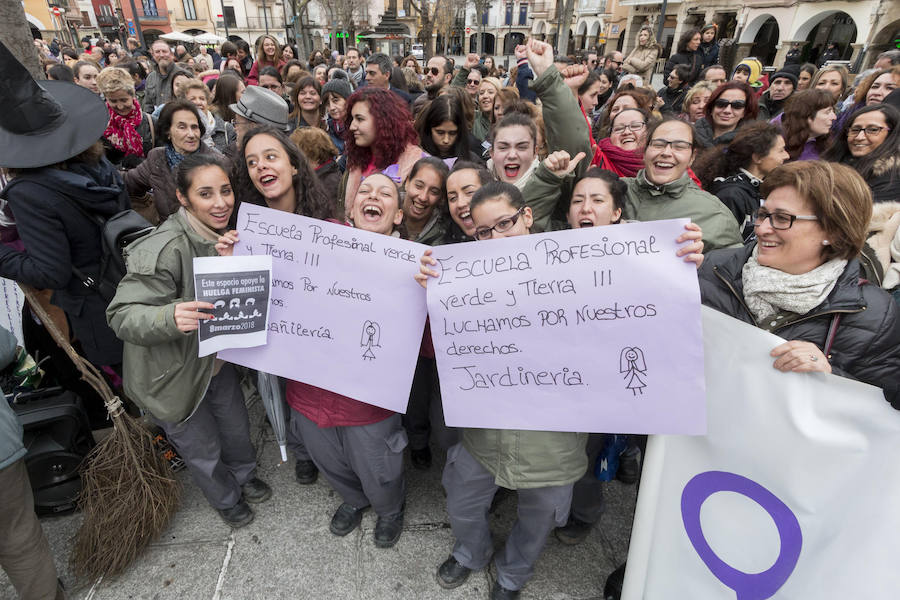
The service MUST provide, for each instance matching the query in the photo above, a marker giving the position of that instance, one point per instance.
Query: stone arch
(595, 29)
(748, 35)
(540, 27)
(36, 22)
(766, 41)
(582, 28)
(807, 26)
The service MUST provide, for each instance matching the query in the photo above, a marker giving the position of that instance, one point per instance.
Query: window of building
(149, 7)
(509, 12)
(190, 11)
(228, 14)
(523, 13)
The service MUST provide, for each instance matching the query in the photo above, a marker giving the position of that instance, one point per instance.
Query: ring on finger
(813, 358)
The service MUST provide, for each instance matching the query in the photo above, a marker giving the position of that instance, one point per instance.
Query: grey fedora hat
(262, 106)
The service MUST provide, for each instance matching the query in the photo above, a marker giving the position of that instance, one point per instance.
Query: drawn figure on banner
(631, 363)
(371, 338)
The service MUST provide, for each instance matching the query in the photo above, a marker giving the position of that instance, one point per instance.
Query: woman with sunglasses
(801, 278)
(731, 105)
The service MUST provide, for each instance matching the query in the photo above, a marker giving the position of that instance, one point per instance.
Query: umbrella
(177, 36)
(209, 38)
(273, 400)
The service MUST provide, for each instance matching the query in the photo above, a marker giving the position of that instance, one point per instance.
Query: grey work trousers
(363, 463)
(470, 488)
(24, 551)
(215, 443)
(294, 441)
(587, 497)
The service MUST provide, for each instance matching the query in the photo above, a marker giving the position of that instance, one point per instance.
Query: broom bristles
(128, 496)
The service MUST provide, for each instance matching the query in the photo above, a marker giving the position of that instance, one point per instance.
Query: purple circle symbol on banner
(748, 586)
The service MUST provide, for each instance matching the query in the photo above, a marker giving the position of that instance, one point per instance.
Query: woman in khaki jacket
(643, 58)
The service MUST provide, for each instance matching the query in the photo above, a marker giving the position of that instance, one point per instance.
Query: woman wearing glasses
(731, 105)
(869, 142)
(801, 279)
(623, 151)
(663, 189)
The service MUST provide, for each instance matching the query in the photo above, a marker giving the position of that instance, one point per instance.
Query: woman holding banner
(801, 280)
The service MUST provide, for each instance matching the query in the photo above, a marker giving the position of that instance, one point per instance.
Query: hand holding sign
(188, 315)
(692, 252)
(424, 271)
(225, 243)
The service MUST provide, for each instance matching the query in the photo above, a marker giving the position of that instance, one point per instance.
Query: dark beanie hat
(793, 69)
(341, 87)
(784, 75)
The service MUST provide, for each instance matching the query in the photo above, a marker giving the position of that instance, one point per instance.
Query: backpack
(116, 233)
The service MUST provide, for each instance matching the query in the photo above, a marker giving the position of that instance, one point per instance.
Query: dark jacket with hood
(705, 135)
(768, 108)
(740, 193)
(692, 59)
(672, 99)
(867, 343)
(885, 179)
(58, 236)
(710, 53)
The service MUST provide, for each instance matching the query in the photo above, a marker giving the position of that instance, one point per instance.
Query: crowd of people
(790, 178)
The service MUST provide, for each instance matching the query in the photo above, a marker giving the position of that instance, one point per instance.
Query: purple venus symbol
(748, 586)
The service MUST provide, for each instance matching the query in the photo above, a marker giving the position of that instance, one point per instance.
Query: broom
(128, 490)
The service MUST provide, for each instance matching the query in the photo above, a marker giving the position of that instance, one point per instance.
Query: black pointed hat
(44, 123)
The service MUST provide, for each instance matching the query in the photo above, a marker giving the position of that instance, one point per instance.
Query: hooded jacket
(705, 135)
(642, 60)
(162, 371)
(681, 199)
(885, 179)
(58, 236)
(867, 342)
(769, 108)
(740, 193)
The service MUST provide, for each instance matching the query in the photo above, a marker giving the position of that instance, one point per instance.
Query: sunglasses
(473, 81)
(434, 71)
(735, 104)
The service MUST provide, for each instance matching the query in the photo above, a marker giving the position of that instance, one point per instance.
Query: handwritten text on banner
(583, 330)
(346, 314)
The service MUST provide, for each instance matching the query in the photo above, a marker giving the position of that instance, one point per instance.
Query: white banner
(582, 330)
(346, 314)
(793, 493)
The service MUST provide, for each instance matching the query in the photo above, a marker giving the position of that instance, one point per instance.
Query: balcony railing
(275, 22)
(153, 17)
(107, 21)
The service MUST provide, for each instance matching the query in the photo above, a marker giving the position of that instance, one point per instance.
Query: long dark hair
(184, 173)
(225, 95)
(798, 109)
(685, 39)
(311, 198)
(754, 138)
(442, 109)
(840, 151)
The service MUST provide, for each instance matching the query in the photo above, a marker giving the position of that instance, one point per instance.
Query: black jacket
(710, 52)
(672, 99)
(692, 59)
(768, 108)
(703, 129)
(867, 344)
(741, 195)
(57, 236)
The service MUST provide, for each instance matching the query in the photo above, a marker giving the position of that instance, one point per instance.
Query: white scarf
(768, 290)
(524, 179)
(210, 127)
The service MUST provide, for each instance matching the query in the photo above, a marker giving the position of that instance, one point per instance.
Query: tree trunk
(16, 35)
(565, 25)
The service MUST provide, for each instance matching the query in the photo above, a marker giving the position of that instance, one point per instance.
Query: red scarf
(122, 131)
(624, 163)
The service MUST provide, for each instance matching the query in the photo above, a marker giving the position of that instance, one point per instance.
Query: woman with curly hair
(413, 63)
(807, 120)
(730, 106)
(272, 172)
(642, 58)
(268, 54)
(735, 176)
(380, 137)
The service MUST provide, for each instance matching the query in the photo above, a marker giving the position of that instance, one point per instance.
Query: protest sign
(238, 286)
(584, 330)
(14, 300)
(791, 494)
(346, 314)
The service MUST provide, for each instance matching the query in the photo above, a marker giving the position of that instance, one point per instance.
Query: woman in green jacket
(196, 400)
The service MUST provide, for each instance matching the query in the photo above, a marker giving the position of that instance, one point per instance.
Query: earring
(826, 243)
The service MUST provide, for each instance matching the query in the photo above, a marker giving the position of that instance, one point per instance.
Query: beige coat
(884, 238)
(642, 60)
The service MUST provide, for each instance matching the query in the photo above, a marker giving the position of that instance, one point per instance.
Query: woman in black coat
(688, 53)
(801, 280)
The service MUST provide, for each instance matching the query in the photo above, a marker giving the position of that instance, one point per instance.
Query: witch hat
(44, 123)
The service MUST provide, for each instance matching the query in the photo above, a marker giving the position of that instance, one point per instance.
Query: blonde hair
(315, 144)
(194, 84)
(699, 87)
(839, 197)
(114, 79)
(840, 70)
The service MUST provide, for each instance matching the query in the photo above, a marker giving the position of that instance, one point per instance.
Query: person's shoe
(238, 515)
(629, 466)
(451, 574)
(256, 490)
(574, 532)
(306, 472)
(346, 518)
(498, 592)
(612, 589)
(388, 530)
(420, 458)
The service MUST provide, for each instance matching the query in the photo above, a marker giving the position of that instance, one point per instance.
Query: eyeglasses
(616, 62)
(434, 71)
(473, 81)
(660, 144)
(870, 131)
(271, 86)
(735, 104)
(779, 220)
(505, 224)
(631, 126)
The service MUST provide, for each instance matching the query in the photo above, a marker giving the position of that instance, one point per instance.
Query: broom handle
(88, 371)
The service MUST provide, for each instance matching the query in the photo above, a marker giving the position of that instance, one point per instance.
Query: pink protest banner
(345, 313)
(592, 330)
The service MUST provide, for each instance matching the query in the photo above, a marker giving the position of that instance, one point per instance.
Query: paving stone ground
(288, 552)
